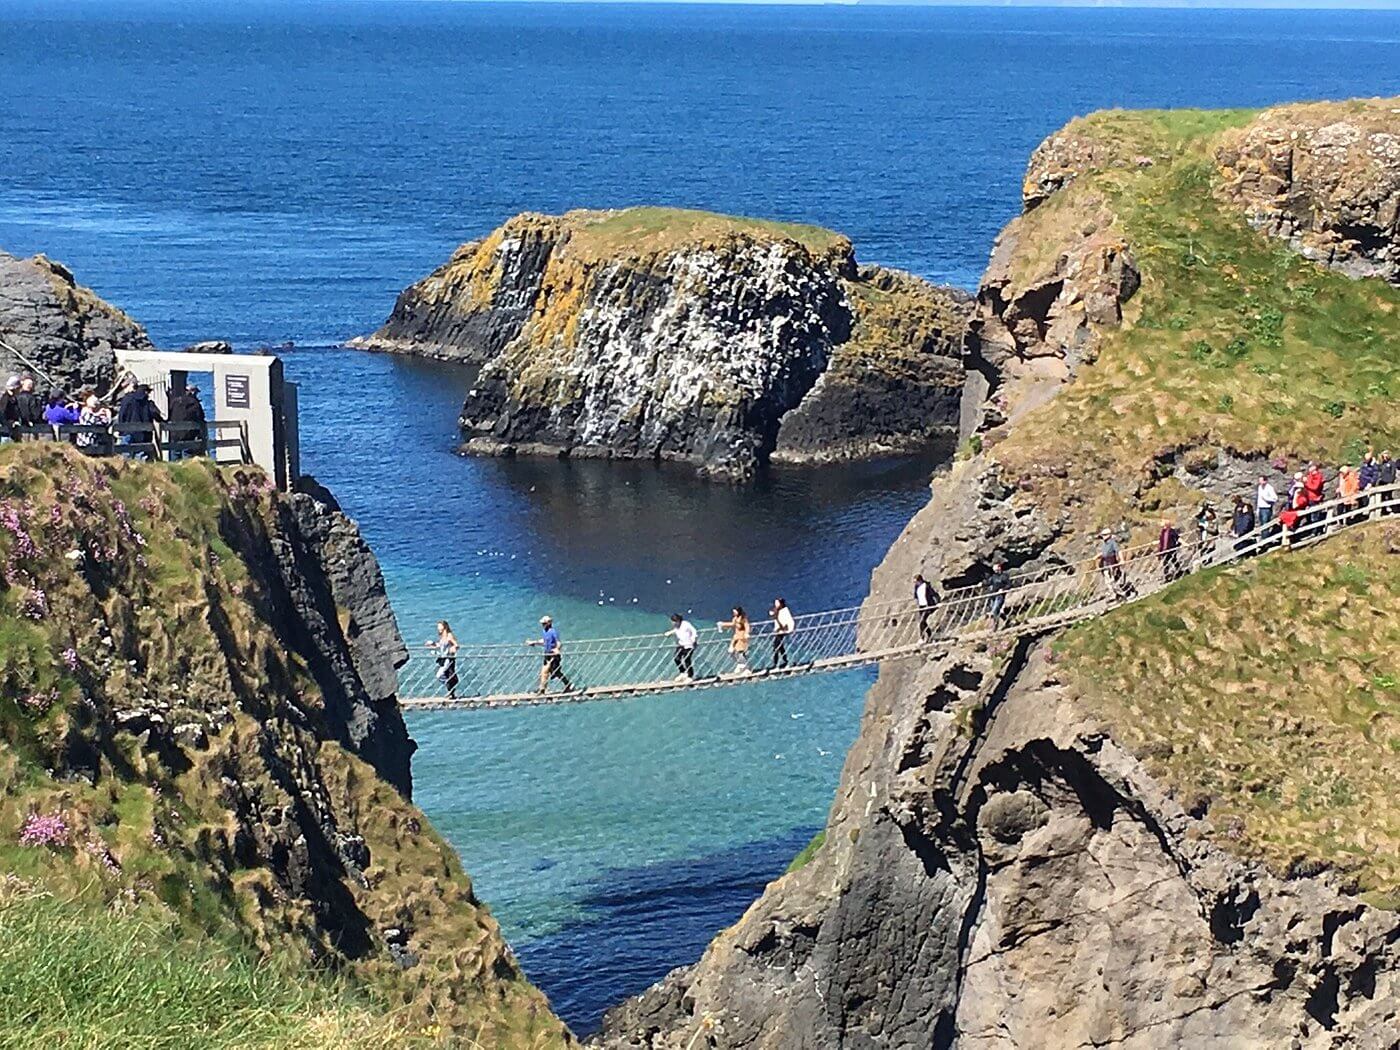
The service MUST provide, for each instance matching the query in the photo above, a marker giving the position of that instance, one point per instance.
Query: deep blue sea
(266, 172)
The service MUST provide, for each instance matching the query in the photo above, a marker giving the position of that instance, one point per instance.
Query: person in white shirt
(686, 638)
(1265, 497)
(925, 599)
(783, 626)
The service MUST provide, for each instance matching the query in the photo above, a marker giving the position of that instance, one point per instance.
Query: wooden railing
(149, 441)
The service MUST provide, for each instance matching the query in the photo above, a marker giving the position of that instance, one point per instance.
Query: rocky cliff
(1167, 827)
(197, 687)
(60, 329)
(662, 334)
(204, 771)
(1325, 177)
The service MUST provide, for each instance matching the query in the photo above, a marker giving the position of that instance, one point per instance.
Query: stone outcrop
(1069, 153)
(672, 335)
(60, 329)
(999, 870)
(1050, 291)
(894, 386)
(1326, 178)
(1020, 881)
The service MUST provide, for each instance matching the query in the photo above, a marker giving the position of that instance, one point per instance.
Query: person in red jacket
(1314, 484)
(1288, 520)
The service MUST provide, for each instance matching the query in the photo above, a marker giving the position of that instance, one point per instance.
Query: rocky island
(655, 333)
(53, 325)
(1171, 826)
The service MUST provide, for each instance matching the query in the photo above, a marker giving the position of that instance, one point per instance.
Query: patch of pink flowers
(125, 525)
(14, 519)
(69, 657)
(44, 830)
(39, 703)
(35, 604)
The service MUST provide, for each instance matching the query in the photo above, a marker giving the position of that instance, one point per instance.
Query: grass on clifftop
(1272, 690)
(647, 230)
(75, 973)
(1234, 340)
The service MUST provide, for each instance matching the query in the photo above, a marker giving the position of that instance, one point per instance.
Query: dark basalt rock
(671, 335)
(59, 328)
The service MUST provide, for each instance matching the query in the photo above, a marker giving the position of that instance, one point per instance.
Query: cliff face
(1325, 177)
(64, 329)
(1134, 834)
(197, 682)
(661, 334)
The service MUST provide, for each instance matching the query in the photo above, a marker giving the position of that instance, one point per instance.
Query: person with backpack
(924, 600)
(1110, 564)
(187, 423)
(137, 407)
(1385, 476)
(28, 408)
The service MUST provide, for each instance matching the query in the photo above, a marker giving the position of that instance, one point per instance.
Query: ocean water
(266, 172)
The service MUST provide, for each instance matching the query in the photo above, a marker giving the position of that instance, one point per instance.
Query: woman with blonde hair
(93, 414)
(446, 646)
(739, 644)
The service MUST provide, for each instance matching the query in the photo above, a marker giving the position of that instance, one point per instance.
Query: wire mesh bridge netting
(510, 674)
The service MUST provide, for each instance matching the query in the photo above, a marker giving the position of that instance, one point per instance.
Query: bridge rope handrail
(505, 674)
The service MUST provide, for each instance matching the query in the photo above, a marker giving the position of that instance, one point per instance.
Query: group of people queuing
(1270, 516)
(23, 412)
(1267, 519)
(684, 634)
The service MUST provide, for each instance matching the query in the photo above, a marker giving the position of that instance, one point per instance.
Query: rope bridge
(508, 674)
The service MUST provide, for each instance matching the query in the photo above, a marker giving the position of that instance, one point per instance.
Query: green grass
(808, 852)
(649, 229)
(175, 608)
(77, 974)
(1268, 690)
(1233, 341)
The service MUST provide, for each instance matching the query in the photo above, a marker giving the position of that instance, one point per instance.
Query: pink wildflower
(38, 703)
(35, 604)
(70, 658)
(41, 830)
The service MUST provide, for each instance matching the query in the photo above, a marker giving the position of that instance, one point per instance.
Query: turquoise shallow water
(272, 171)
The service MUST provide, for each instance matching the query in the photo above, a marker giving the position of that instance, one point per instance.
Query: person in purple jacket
(60, 412)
